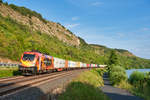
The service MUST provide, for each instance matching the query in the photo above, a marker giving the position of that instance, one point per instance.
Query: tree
(113, 60)
(1, 1)
(6, 3)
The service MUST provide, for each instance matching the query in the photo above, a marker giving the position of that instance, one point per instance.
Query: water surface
(129, 72)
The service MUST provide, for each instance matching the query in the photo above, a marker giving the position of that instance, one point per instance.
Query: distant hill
(24, 30)
(119, 51)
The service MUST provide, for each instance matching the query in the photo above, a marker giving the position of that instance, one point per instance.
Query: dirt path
(116, 93)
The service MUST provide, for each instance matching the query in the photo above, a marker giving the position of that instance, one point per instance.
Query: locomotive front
(28, 63)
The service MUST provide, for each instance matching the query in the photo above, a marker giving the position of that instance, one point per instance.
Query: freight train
(32, 63)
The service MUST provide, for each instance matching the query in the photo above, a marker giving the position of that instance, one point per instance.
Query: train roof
(31, 52)
(37, 53)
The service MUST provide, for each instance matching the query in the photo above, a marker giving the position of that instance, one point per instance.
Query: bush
(117, 74)
(140, 82)
(136, 78)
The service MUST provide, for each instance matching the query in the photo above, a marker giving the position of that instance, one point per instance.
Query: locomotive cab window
(29, 57)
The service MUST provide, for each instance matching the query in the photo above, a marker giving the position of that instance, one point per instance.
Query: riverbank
(138, 83)
(116, 93)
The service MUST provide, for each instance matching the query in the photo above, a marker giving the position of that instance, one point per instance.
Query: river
(129, 72)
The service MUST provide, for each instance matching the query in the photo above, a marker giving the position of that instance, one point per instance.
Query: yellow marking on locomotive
(27, 63)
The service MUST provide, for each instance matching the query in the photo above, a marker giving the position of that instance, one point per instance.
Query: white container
(59, 63)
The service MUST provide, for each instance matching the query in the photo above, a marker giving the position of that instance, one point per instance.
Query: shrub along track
(13, 85)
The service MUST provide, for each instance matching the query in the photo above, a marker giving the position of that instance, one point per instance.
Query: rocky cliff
(29, 18)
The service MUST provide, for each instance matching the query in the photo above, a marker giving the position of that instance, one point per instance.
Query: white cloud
(72, 25)
(146, 29)
(120, 35)
(97, 3)
(75, 18)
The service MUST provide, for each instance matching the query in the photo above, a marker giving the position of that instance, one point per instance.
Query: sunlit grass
(8, 71)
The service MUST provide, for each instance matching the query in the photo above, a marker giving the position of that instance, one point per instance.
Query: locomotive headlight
(33, 64)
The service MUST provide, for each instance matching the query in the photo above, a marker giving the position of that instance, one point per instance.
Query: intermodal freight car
(32, 63)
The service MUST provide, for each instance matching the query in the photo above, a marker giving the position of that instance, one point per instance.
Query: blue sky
(123, 24)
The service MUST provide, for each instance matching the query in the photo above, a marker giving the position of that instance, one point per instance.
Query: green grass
(8, 71)
(93, 77)
(85, 87)
(125, 85)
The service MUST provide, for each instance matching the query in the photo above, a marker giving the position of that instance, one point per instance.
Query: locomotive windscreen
(29, 57)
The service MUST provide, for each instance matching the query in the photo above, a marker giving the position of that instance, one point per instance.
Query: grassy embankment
(138, 83)
(8, 71)
(85, 87)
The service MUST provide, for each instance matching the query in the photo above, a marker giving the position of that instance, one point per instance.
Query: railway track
(15, 80)
(10, 78)
(14, 85)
